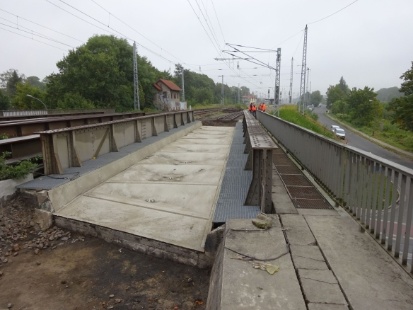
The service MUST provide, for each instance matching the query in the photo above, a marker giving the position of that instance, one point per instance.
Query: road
(362, 143)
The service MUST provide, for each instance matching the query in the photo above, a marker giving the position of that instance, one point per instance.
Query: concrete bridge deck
(164, 204)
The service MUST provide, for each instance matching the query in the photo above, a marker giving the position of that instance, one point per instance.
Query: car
(333, 128)
(340, 132)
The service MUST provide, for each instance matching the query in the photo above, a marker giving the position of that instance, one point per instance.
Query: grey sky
(369, 42)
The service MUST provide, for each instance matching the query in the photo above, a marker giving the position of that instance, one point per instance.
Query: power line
(319, 20)
(19, 34)
(41, 25)
(124, 23)
(34, 33)
(219, 24)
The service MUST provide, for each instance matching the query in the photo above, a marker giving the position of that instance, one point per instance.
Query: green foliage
(401, 109)
(22, 102)
(101, 72)
(4, 100)
(35, 82)
(17, 171)
(316, 98)
(337, 92)
(291, 114)
(407, 85)
(74, 101)
(363, 106)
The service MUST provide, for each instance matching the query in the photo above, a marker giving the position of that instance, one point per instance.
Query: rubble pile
(19, 232)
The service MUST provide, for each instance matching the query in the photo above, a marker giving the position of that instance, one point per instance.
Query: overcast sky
(368, 42)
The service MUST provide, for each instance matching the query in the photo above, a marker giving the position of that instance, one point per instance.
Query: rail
(70, 147)
(18, 128)
(259, 146)
(377, 192)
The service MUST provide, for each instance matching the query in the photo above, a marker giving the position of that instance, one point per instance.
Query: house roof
(171, 85)
(158, 88)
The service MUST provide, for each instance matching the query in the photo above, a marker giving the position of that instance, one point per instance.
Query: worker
(260, 107)
(254, 110)
(263, 107)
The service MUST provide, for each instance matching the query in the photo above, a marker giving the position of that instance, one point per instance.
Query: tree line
(361, 107)
(99, 74)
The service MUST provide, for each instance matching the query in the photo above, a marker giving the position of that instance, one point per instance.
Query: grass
(387, 132)
(291, 114)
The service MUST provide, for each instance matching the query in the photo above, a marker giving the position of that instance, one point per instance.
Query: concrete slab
(182, 174)
(315, 306)
(320, 286)
(308, 257)
(297, 230)
(186, 158)
(175, 228)
(168, 197)
(246, 287)
(370, 278)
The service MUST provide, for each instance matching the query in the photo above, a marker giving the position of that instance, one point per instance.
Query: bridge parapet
(377, 192)
(259, 146)
(70, 147)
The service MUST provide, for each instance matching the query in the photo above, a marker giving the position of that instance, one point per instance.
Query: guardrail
(259, 146)
(377, 192)
(70, 147)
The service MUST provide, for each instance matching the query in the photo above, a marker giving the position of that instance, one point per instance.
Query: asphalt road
(360, 142)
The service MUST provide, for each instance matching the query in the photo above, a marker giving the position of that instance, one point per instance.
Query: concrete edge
(65, 193)
(137, 243)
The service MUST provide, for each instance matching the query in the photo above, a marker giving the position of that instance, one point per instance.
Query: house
(168, 96)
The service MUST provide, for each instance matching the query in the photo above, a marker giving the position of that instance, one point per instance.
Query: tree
(101, 72)
(407, 85)
(12, 82)
(401, 108)
(363, 106)
(339, 91)
(35, 82)
(316, 98)
(22, 102)
(4, 101)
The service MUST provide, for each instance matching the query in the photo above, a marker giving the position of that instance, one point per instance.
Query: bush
(17, 171)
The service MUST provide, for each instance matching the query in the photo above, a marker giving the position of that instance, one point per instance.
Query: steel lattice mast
(277, 77)
(136, 103)
(303, 71)
(291, 80)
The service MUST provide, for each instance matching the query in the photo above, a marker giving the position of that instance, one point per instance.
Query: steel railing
(376, 191)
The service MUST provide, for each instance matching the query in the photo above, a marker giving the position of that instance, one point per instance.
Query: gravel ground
(58, 269)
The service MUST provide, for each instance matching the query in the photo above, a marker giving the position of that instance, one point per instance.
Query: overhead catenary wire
(31, 38)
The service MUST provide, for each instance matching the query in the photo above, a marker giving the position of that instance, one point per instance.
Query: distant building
(168, 96)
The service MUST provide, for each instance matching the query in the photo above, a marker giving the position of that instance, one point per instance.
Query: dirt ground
(57, 269)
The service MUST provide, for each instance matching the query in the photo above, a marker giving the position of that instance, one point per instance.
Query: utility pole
(222, 89)
(307, 91)
(183, 85)
(303, 70)
(238, 94)
(277, 77)
(136, 103)
(291, 80)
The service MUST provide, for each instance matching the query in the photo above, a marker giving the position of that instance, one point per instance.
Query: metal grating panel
(295, 180)
(312, 204)
(235, 184)
(308, 192)
(288, 169)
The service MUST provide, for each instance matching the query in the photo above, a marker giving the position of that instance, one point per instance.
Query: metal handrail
(376, 191)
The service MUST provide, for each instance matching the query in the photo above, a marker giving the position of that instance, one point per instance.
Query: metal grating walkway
(303, 194)
(235, 184)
